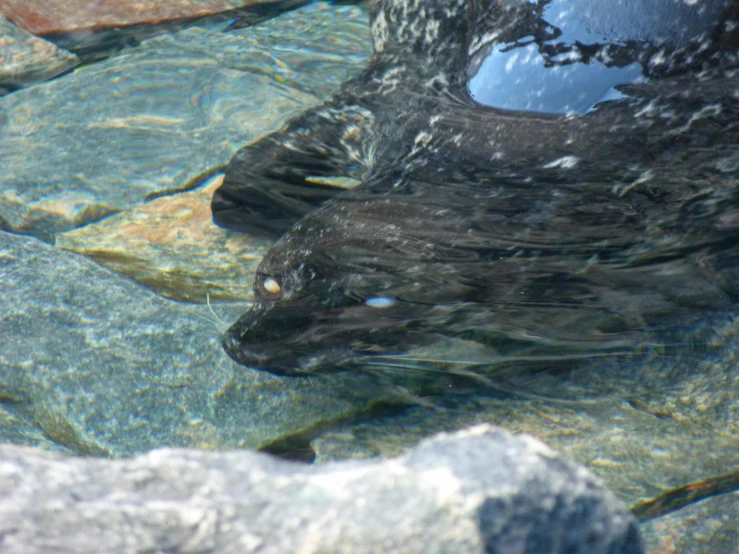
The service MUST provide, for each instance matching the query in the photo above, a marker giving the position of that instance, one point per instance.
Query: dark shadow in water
(298, 448)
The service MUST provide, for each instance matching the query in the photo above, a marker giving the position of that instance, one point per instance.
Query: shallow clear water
(110, 348)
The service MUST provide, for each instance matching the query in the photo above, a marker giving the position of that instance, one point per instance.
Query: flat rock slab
(150, 120)
(637, 454)
(479, 491)
(644, 428)
(98, 365)
(708, 527)
(22, 430)
(172, 246)
(42, 17)
(25, 59)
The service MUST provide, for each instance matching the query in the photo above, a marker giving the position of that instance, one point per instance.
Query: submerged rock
(172, 246)
(657, 423)
(25, 59)
(153, 118)
(481, 490)
(98, 365)
(709, 526)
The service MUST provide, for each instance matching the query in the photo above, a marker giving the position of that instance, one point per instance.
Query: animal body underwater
(531, 236)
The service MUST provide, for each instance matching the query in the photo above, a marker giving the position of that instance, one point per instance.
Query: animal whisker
(216, 320)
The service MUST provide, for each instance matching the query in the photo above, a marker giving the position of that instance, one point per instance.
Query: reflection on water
(515, 79)
(571, 64)
(516, 76)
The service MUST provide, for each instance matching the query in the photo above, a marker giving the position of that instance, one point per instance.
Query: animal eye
(380, 302)
(272, 286)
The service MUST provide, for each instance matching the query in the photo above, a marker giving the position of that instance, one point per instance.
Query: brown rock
(172, 246)
(42, 17)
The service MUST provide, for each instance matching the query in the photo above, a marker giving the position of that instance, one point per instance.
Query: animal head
(371, 277)
(528, 236)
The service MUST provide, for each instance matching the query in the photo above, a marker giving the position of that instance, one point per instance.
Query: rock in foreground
(481, 490)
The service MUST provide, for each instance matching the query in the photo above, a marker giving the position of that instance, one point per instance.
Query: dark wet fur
(466, 219)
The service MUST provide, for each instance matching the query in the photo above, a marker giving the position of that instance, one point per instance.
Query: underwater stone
(98, 365)
(152, 119)
(43, 17)
(172, 246)
(25, 59)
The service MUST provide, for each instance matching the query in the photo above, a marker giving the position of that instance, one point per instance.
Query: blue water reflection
(519, 76)
(518, 80)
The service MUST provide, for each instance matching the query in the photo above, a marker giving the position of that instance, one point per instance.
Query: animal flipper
(271, 184)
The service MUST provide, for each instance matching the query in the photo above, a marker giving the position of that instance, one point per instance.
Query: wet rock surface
(642, 427)
(642, 424)
(637, 453)
(155, 117)
(42, 17)
(98, 365)
(709, 526)
(93, 363)
(481, 490)
(172, 246)
(25, 59)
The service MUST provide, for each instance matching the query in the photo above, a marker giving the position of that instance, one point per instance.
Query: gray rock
(482, 490)
(644, 427)
(98, 365)
(26, 59)
(708, 527)
(637, 453)
(151, 119)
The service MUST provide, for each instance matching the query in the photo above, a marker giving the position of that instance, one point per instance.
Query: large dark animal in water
(527, 235)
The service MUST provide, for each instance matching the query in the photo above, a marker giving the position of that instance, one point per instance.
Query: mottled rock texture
(640, 441)
(25, 59)
(172, 246)
(643, 427)
(154, 118)
(479, 491)
(95, 364)
(708, 527)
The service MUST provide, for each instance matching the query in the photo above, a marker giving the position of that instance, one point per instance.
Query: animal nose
(231, 342)
(237, 351)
